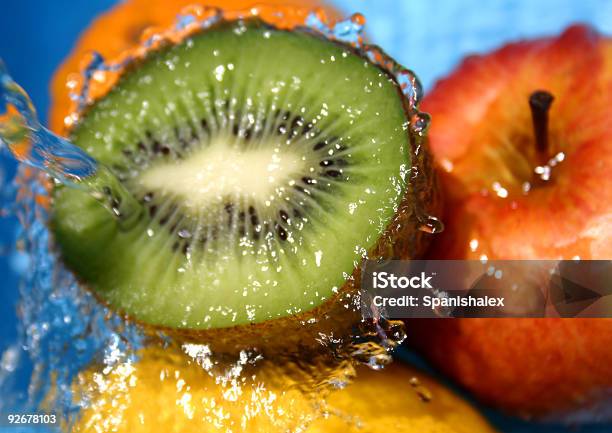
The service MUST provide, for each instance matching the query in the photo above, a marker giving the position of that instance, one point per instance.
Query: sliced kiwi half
(268, 163)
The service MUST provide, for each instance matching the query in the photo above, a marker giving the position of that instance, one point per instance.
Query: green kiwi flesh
(268, 163)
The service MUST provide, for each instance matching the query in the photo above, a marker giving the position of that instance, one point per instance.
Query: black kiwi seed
(214, 233)
(307, 128)
(164, 220)
(283, 115)
(282, 233)
(229, 209)
(254, 217)
(242, 223)
(301, 189)
(297, 122)
(333, 173)
(284, 215)
(204, 125)
(320, 145)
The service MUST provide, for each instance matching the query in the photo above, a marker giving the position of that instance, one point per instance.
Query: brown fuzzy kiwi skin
(339, 315)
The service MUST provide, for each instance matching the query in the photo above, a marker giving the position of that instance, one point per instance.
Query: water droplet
(500, 190)
(422, 392)
(420, 123)
(9, 360)
(184, 234)
(431, 224)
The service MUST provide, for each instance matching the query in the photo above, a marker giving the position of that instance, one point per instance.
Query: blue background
(428, 36)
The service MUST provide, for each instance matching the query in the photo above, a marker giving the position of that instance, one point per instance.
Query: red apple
(527, 182)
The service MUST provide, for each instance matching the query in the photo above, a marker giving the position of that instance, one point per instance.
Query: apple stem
(540, 102)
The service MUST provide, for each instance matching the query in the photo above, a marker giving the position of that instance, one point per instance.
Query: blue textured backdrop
(429, 36)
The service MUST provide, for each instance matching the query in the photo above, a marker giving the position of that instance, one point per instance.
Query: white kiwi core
(218, 172)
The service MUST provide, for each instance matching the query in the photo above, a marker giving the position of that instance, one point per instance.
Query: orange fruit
(120, 29)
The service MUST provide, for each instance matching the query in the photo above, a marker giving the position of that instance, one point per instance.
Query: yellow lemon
(167, 390)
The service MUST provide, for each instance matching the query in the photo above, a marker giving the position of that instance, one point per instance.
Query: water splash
(59, 320)
(349, 31)
(32, 144)
(62, 328)
(99, 75)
